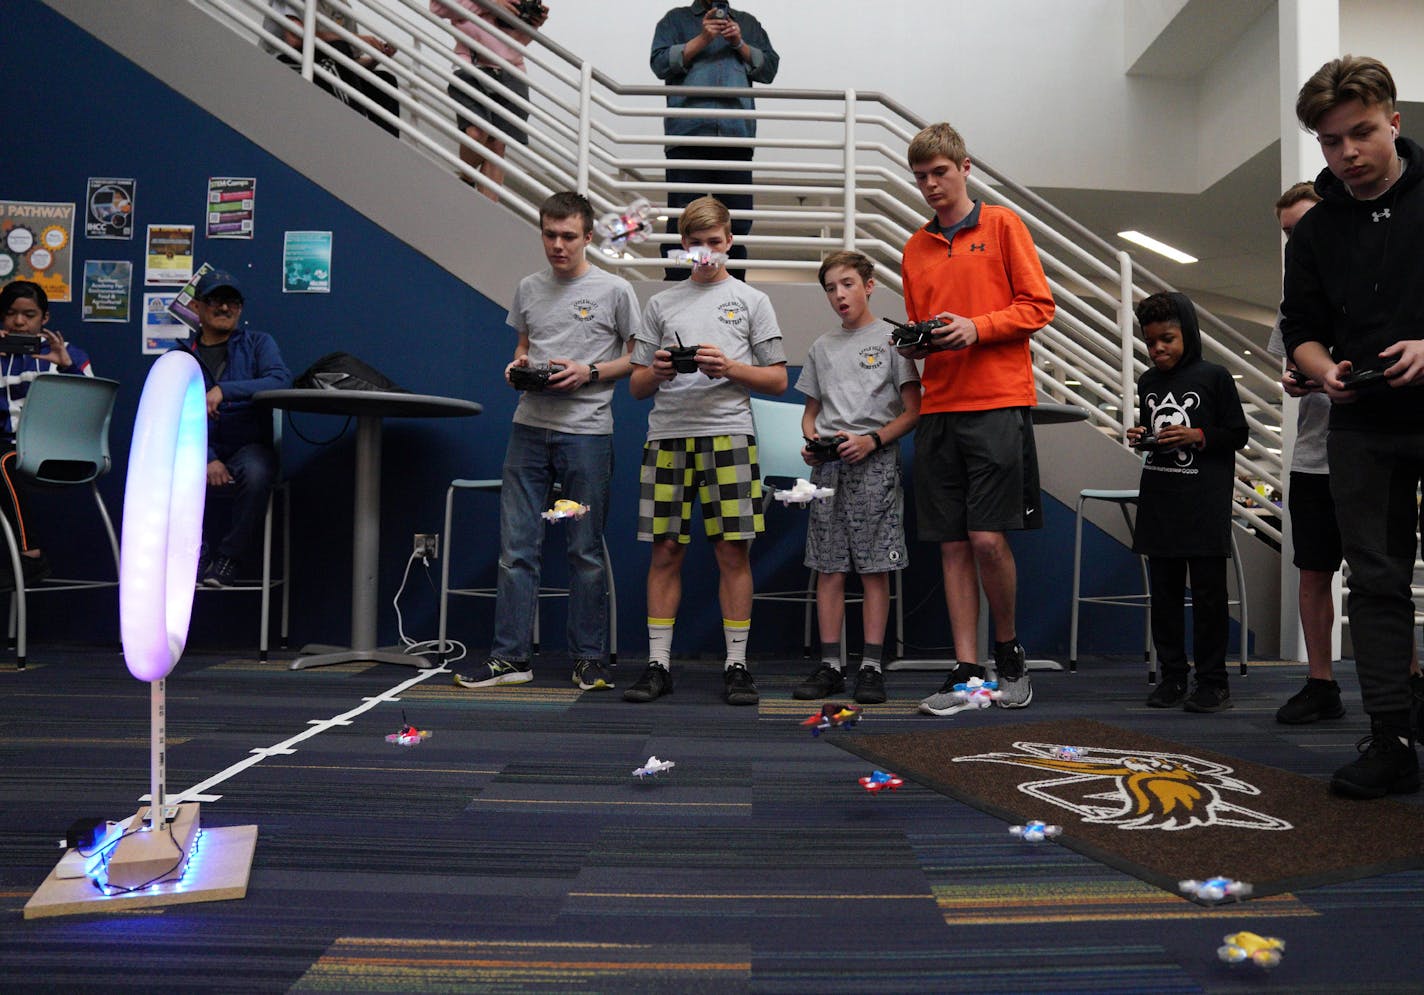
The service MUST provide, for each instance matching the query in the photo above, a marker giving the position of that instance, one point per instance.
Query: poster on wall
(108, 284)
(232, 202)
(170, 255)
(109, 208)
(306, 262)
(36, 243)
(181, 307)
(160, 329)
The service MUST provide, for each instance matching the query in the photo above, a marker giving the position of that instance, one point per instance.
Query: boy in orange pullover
(974, 267)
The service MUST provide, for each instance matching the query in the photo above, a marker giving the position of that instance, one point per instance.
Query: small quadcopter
(1217, 889)
(878, 781)
(1035, 831)
(564, 508)
(619, 229)
(832, 716)
(653, 767)
(804, 492)
(1264, 951)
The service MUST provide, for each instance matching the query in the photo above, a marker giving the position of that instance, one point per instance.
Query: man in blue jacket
(707, 43)
(237, 362)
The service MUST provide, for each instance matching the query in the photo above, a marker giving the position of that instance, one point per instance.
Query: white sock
(831, 655)
(660, 641)
(736, 631)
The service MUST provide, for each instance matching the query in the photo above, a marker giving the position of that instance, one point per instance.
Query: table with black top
(369, 408)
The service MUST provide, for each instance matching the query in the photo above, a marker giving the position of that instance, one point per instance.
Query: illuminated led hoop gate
(163, 516)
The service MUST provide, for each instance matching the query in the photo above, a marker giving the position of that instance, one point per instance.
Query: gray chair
(494, 486)
(62, 440)
(779, 442)
(1126, 501)
(278, 500)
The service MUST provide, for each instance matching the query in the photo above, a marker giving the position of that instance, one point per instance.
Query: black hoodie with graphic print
(1184, 504)
(1354, 282)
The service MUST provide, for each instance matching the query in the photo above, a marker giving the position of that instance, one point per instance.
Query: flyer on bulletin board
(181, 306)
(306, 262)
(107, 287)
(161, 330)
(36, 244)
(109, 207)
(170, 255)
(232, 202)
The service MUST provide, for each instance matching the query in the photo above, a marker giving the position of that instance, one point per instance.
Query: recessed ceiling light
(1161, 248)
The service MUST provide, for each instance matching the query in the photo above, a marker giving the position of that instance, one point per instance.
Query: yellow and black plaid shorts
(724, 471)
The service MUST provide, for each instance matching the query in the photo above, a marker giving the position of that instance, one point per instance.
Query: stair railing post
(848, 183)
(308, 39)
(585, 123)
(1124, 324)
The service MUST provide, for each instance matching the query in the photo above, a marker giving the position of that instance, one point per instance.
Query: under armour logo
(976, 246)
(1379, 216)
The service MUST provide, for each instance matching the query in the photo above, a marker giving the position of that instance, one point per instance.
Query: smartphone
(17, 343)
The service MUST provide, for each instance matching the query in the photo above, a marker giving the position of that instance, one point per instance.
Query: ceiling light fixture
(1161, 248)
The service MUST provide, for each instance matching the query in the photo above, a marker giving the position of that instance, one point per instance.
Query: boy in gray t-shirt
(582, 320)
(861, 392)
(701, 441)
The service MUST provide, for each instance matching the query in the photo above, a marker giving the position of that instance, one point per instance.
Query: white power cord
(424, 647)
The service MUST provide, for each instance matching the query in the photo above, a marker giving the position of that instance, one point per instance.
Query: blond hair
(702, 214)
(937, 139)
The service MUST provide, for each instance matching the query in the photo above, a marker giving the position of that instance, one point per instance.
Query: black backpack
(343, 371)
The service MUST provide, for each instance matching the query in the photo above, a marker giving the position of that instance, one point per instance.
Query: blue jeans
(253, 468)
(534, 460)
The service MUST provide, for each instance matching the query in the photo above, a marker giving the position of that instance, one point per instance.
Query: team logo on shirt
(733, 312)
(583, 309)
(873, 357)
(1167, 412)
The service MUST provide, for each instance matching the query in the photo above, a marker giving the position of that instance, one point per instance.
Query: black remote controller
(1147, 443)
(825, 450)
(20, 344)
(1359, 379)
(532, 377)
(915, 334)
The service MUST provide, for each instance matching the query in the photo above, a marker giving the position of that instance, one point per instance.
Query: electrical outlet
(427, 544)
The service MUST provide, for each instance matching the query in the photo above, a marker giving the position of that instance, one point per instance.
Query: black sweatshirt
(1184, 507)
(1354, 282)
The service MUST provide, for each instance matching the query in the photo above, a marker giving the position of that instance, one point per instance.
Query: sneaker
(1015, 689)
(223, 573)
(1385, 767)
(1319, 699)
(1208, 698)
(741, 689)
(1170, 692)
(944, 701)
(496, 671)
(592, 675)
(824, 681)
(655, 682)
(869, 686)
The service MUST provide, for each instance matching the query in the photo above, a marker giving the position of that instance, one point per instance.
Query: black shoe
(1170, 692)
(824, 681)
(741, 689)
(223, 573)
(869, 686)
(592, 675)
(1208, 698)
(34, 569)
(1319, 699)
(655, 682)
(1385, 767)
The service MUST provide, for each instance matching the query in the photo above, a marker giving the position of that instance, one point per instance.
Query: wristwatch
(593, 373)
(876, 436)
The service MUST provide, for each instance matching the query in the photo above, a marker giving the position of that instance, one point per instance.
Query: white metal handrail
(833, 177)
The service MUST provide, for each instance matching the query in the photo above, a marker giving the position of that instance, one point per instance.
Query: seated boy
(1184, 504)
(862, 393)
(701, 441)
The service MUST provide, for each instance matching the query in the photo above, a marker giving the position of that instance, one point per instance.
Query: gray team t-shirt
(1312, 422)
(857, 376)
(728, 314)
(587, 319)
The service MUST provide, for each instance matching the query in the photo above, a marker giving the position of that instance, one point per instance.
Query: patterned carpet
(514, 850)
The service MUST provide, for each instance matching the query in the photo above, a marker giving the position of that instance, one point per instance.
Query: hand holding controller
(825, 450)
(534, 378)
(1361, 379)
(916, 334)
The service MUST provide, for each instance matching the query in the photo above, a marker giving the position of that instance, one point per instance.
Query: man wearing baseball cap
(237, 362)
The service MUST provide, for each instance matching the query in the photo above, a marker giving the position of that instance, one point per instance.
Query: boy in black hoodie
(1191, 424)
(1354, 303)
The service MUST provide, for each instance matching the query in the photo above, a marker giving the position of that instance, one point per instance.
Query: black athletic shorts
(975, 471)
(1313, 528)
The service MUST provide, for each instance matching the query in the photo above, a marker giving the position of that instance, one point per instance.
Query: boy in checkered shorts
(701, 440)
(865, 395)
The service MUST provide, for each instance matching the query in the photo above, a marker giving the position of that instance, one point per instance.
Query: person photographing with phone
(27, 349)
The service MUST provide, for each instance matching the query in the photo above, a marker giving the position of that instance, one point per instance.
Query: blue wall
(99, 115)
